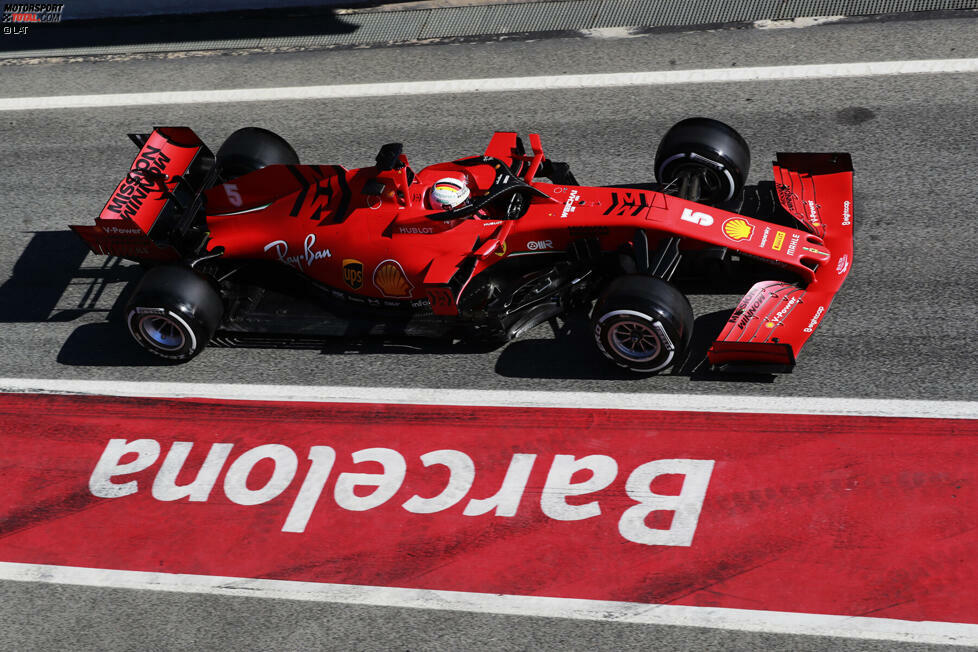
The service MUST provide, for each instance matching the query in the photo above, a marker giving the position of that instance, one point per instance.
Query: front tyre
(707, 157)
(173, 312)
(253, 148)
(642, 324)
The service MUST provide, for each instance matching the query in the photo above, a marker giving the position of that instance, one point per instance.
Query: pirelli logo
(778, 241)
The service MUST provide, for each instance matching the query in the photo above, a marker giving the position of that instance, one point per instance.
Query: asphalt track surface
(902, 327)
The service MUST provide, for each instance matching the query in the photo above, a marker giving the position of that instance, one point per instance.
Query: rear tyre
(173, 312)
(643, 324)
(253, 148)
(709, 150)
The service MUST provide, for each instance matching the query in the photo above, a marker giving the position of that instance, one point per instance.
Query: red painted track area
(853, 516)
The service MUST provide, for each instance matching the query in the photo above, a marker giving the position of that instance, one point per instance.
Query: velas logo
(353, 273)
(737, 229)
(390, 279)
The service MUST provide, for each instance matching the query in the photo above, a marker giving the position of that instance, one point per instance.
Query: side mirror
(389, 157)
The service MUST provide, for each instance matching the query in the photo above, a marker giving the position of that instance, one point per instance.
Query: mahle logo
(738, 229)
(353, 273)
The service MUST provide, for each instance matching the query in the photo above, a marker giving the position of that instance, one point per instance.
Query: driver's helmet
(448, 193)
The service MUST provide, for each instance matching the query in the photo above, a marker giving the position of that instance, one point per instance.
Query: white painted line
(505, 398)
(797, 23)
(501, 84)
(596, 610)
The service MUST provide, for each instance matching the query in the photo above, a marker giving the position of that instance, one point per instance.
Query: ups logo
(353, 273)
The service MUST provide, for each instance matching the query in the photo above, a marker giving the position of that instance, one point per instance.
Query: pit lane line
(500, 84)
(777, 622)
(504, 398)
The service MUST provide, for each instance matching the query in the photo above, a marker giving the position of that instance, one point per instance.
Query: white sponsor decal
(767, 232)
(121, 231)
(846, 213)
(363, 491)
(303, 260)
(812, 213)
(792, 244)
(569, 206)
(814, 322)
(781, 313)
(416, 229)
(535, 245)
(842, 265)
(703, 219)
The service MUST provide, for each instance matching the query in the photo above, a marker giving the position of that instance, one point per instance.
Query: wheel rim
(634, 340)
(162, 332)
(714, 184)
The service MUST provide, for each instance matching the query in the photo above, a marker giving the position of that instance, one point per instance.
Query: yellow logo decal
(737, 229)
(501, 249)
(353, 273)
(390, 279)
(778, 241)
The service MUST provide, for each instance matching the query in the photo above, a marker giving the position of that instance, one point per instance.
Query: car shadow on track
(571, 354)
(51, 284)
(106, 344)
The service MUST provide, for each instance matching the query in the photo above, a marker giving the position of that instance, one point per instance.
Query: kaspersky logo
(737, 229)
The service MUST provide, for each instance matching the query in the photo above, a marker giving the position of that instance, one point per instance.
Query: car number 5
(233, 195)
(697, 218)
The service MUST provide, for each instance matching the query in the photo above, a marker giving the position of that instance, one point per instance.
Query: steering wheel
(516, 206)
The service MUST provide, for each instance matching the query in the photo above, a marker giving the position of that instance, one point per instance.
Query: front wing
(774, 319)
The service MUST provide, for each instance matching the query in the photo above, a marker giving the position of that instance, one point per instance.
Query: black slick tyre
(708, 149)
(173, 312)
(641, 323)
(253, 148)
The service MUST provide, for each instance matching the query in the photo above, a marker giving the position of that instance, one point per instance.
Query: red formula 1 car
(249, 245)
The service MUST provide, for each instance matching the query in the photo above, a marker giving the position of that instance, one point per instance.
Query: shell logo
(737, 229)
(390, 279)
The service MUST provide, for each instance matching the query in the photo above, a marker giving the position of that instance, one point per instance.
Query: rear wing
(156, 200)
(775, 319)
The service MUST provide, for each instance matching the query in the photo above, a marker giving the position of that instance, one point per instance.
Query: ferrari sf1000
(249, 245)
